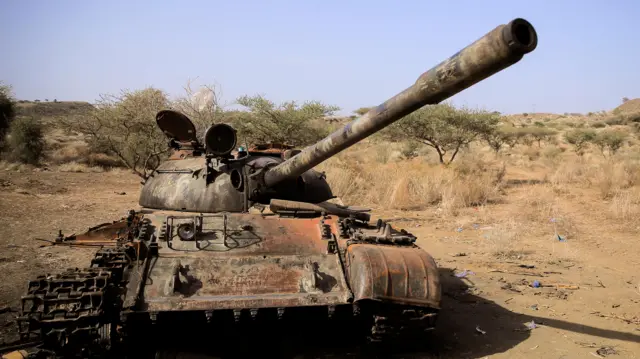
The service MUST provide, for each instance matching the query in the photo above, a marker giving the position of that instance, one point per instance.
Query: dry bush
(288, 122)
(204, 107)
(625, 205)
(412, 184)
(7, 111)
(69, 152)
(79, 168)
(123, 126)
(25, 142)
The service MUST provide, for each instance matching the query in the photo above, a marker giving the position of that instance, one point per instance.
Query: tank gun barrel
(498, 49)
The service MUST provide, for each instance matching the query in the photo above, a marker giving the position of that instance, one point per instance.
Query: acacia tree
(611, 140)
(580, 139)
(503, 135)
(539, 134)
(444, 128)
(285, 123)
(124, 126)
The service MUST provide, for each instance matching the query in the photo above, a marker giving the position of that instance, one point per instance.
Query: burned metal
(205, 254)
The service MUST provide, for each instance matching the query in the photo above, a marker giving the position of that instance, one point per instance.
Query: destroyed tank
(229, 235)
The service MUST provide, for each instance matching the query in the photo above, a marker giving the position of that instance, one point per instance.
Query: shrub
(7, 111)
(362, 110)
(580, 139)
(124, 126)
(26, 140)
(615, 120)
(504, 135)
(285, 123)
(611, 140)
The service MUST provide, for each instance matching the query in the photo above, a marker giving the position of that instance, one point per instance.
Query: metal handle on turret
(500, 48)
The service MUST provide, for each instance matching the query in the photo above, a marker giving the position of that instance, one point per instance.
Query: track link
(393, 324)
(73, 312)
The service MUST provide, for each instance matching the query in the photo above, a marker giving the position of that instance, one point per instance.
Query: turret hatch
(176, 126)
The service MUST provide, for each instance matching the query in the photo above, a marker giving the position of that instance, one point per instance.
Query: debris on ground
(480, 330)
(635, 320)
(604, 351)
(464, 273)
(529, 327)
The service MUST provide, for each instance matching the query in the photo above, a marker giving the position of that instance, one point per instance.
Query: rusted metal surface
(106, 234)
(238, 282)
(243, 261)
(181, 154)
(497, 50)
(406, 275)
(282, 206)
(273, 148)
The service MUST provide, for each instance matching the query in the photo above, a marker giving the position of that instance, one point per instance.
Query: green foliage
(540, 134)
(580, 139)
(444, 128)
(362, 110)
(285, 123)
(410, 149)
(504, 135)
(26, 140)
(7, 111)
(610, 140)
(124, 126)
(598, 124)
(616, 120)
(634, 117)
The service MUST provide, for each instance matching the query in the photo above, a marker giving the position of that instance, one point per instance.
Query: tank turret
(208, 178)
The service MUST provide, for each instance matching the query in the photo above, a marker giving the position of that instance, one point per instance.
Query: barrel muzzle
(500, 48)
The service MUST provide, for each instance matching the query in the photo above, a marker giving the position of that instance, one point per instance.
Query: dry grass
(366, 178)
(544, 188)
(79, 168)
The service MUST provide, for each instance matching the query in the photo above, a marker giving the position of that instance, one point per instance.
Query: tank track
(73, 312)
(393, 324)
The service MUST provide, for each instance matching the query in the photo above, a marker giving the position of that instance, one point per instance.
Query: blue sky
(344, 53)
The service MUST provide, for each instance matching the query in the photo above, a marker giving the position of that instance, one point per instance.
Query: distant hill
(630, 106)
(52, 109)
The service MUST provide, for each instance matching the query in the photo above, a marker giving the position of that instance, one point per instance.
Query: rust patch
(406, 275)
(237, 282)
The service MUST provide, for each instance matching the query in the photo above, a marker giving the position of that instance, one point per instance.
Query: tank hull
(248, 261)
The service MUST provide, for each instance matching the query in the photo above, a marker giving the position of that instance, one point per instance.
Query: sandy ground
(484, 314)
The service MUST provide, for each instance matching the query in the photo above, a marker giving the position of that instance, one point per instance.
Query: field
(536, 212)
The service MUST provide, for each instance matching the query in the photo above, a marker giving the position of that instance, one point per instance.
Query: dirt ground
(596, 314)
